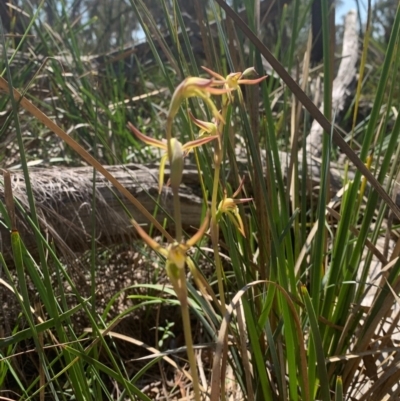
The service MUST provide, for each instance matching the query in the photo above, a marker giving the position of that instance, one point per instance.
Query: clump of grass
(292, 307)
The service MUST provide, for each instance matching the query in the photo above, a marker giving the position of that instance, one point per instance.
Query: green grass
(284, 306)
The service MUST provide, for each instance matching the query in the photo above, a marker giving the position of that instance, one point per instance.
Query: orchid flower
(207, 129)
(179, 151)
(230, 208)
(197, 87)
(175, 253)
(234, 79)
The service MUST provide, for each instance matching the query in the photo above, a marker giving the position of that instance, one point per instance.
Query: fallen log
(64, 199)
(64, 202)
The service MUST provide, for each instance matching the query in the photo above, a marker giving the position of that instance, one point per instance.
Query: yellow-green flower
(234, 79)
(179, 151)
(175, 253)
(206, 128)
(197, 87)
(229, 207)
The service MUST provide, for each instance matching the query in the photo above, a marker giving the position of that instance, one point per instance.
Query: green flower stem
(214, 230)
(179, 284)
(177, 215)
(189, 346)
(214, 227)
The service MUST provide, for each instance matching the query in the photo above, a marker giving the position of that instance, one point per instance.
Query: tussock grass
(287, 290)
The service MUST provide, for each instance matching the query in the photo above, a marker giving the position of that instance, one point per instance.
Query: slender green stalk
(188, 339)
(214, 226)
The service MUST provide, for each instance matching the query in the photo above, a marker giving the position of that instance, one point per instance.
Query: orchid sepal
(206, 128)
(197, 87)
(178, 152)
(234, 79)
(175, 252)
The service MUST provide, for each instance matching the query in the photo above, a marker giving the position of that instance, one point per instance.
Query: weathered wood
(64, 203)
(343, 84)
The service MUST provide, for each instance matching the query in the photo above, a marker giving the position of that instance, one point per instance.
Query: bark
(343, 84)
(64, 198)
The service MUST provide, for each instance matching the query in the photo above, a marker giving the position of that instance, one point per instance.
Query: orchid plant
(176, 253)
